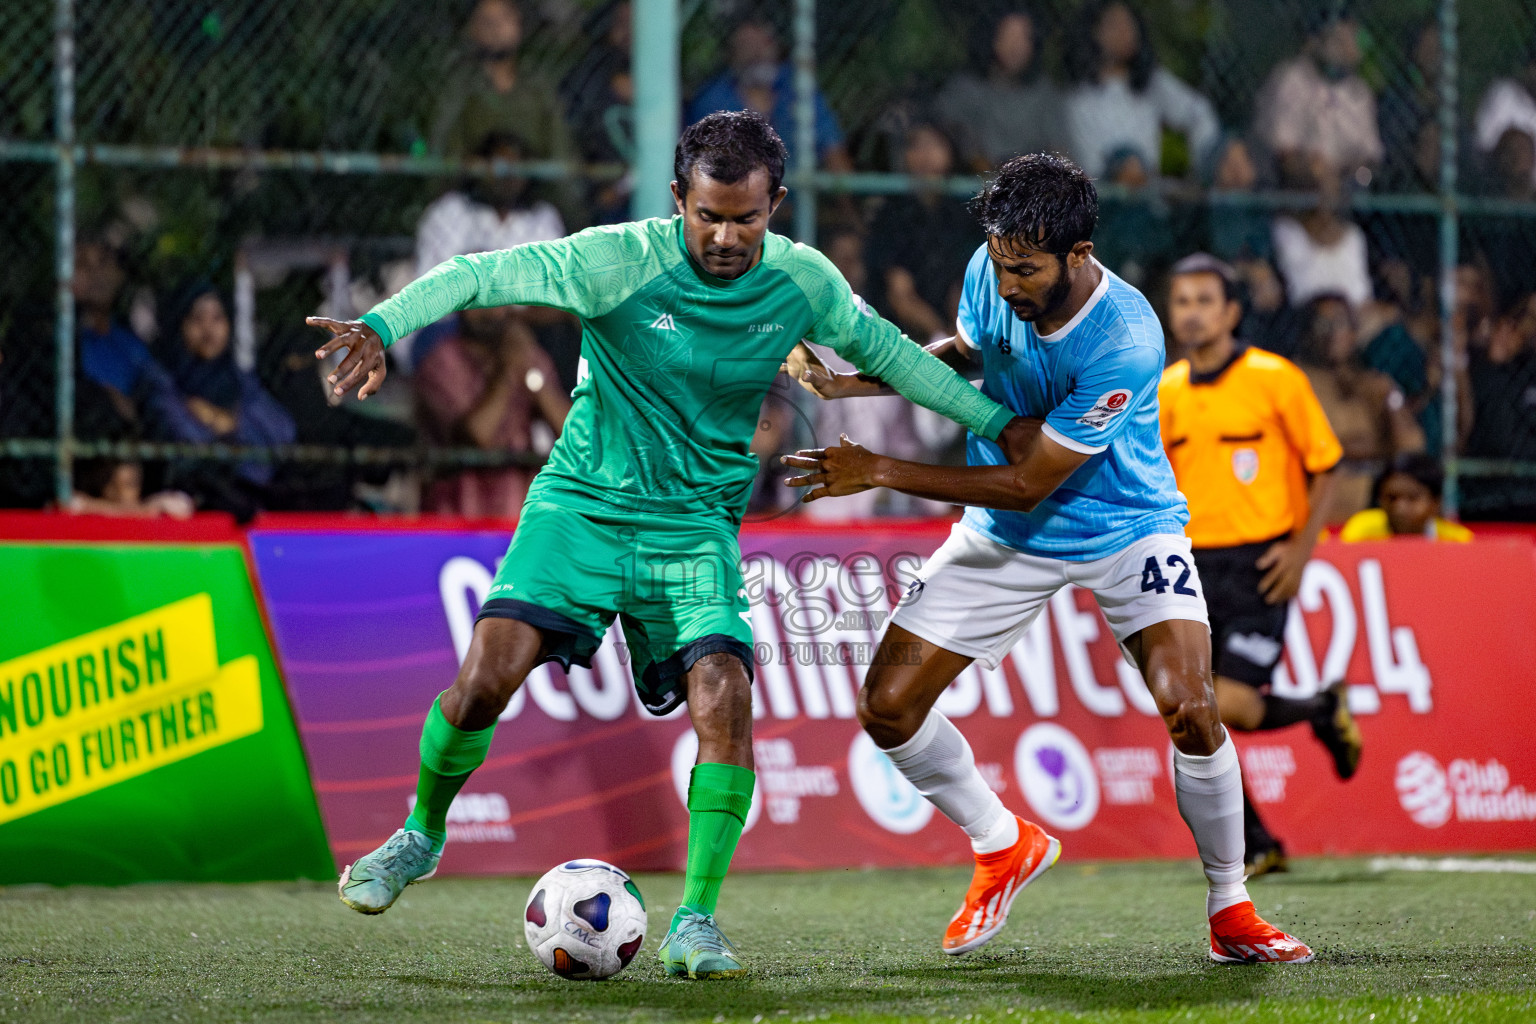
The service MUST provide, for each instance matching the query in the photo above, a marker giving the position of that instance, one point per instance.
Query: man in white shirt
(1316, 106)
(486, 215)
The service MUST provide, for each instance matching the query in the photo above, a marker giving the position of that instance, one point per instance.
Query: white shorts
(977, 597)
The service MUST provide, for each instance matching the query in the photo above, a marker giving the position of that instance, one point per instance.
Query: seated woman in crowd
(1367, 411)
(1407, 504)
(218, 401)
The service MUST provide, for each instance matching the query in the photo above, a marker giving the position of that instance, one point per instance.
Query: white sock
(1210, 793)
(938, 761)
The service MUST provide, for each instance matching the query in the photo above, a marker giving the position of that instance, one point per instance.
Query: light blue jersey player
(1076, 491)
(1094, 383)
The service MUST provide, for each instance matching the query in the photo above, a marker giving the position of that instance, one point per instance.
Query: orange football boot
(998, 880)
(1240, 936)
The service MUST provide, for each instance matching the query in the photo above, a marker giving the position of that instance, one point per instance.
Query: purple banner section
(370, 627)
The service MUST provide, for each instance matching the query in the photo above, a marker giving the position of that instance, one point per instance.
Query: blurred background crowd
(256, 163)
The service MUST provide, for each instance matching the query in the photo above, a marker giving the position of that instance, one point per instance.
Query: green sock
(448, 756)
(719, 796)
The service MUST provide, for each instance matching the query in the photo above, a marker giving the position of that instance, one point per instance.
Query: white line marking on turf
(1460, 865)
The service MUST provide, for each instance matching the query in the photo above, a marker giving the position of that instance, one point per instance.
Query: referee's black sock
(1280, 712)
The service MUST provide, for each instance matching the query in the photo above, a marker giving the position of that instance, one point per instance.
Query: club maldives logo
(887, 797)
(1057, 776)
(1467, 790)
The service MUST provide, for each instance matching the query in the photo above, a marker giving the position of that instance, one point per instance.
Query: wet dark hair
(1082, 54)
(1042, 199)
(1205, 263)
(1416, 465)
(727, 146)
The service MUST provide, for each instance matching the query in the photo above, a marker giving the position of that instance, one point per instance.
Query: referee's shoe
(1336, 729)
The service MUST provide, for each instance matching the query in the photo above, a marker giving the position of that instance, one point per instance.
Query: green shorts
(673, 581)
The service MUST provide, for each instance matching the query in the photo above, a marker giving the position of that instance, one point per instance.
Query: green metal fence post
(655, 58)
(64, 256)
(1448, 252)
(805, 121)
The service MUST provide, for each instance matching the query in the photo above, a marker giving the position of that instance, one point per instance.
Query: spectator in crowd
(920, 242)
(28, 391)
(1407, 504)
(1002, 105)
(1509, 103)
(1121, 99)
(110, 354)
(1315, 108)
(1322, 250)
(1134, 233)
(489, 385)
(1239, 230)
(1512, 165)
(599, 93)
(1364, 407)
(1410, 102)
(1502, 368)
(217, 401)
(288, 366)
(486, 213)
(108, 487)
(758, 78)
(491, 93)
(1508, 240)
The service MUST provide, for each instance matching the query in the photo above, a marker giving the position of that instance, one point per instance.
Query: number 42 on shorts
(1152, 577)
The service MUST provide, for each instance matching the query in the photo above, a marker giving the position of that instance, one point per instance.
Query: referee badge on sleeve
(1245, 465)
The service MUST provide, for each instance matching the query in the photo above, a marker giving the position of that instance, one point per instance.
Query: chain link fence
(1367, 168)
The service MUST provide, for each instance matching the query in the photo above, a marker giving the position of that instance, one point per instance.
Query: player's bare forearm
(1037, 467)
(999, 487)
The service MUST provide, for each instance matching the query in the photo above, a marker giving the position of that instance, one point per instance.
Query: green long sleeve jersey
(674, 361)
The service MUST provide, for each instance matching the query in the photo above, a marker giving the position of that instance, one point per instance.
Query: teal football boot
(372, 885)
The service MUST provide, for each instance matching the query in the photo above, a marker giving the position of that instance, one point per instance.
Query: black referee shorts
(1247, 635)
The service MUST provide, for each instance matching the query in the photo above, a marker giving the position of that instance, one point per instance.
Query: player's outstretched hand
(839, 469)
(364, 363)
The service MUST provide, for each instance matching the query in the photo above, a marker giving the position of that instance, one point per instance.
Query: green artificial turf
(1089, 942)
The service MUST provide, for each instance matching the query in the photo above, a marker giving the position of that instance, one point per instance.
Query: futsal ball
(585, 920)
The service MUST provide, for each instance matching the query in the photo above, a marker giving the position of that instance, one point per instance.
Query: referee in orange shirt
(1245, 435)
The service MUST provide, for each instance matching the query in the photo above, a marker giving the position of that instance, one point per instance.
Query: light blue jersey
(1094, 382)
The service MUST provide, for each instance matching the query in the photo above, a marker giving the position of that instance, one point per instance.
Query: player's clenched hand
(839, 469)
(1283, 565)
(364, 363)
(806, 368)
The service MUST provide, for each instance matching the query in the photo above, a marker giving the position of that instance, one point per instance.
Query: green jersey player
(685, 323)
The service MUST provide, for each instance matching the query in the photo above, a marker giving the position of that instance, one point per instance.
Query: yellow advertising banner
(114, 703)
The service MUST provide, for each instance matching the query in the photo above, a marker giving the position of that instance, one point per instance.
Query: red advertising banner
(1436, 641)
